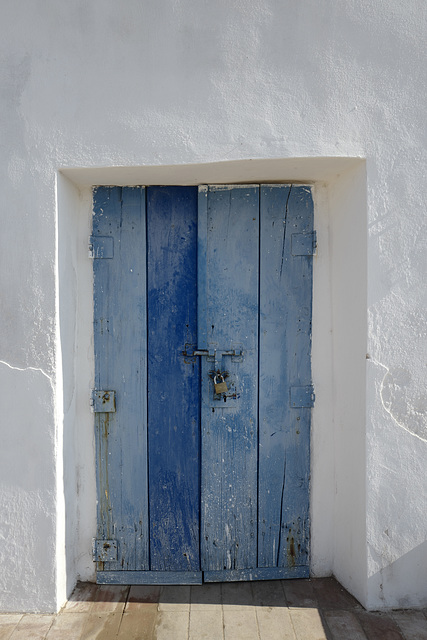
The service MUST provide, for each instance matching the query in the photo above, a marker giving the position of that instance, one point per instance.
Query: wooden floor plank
(379, 626)
(172, 624)
(34, 626)
(413, 624)
(299, 593)
(344, 624)
(8, 622)
(275, 622)
(315, 609)
(206, 624)
(138, 623)
(110, 598)
(104, 626)
(67, 626)
(308, 624)
(82, 597)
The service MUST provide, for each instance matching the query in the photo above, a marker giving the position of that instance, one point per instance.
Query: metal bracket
(101, 247)
(302, 396)
(104, 550)
(103, 326)
(103, 401)
(304, 244)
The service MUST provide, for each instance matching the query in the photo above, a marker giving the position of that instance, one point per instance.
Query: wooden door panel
(173, 380)
(229, 431)
(120, 365)
(285, 343)
(188, 481)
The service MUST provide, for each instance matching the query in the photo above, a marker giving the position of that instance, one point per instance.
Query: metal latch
(210, 352)
(103, 401)
(213, 354)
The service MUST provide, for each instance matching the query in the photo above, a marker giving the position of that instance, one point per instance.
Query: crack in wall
(23, 369)
(396, 399)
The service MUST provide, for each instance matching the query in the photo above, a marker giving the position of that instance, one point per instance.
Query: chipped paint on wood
(120, 364)
(285, 349)
(229, 435)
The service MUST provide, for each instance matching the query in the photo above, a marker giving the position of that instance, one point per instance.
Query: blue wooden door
(192, 287)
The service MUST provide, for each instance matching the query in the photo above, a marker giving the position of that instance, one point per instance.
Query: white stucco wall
(186, 91)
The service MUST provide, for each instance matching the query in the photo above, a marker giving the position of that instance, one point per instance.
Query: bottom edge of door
(199, 577)
(149, 577)
(273, 573)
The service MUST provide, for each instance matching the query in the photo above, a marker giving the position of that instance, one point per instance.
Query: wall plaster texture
(182, 91)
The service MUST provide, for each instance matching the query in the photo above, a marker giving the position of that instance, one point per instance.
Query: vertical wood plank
(285, 350)
(120, 365)
(173, 380)
(202, 292)
(229, 435)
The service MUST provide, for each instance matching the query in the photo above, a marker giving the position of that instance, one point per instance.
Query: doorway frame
(337, 442)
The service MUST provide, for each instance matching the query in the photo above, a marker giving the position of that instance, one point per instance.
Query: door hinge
(104, 550)
(302, 396)
(304, 244)
(101, 247)
(103, 401)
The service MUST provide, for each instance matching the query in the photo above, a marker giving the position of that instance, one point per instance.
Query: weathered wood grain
(284, 362)
(120, 365)
(173, 380)
(229, 434)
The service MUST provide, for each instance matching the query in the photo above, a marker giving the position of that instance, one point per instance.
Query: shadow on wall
(407, 572)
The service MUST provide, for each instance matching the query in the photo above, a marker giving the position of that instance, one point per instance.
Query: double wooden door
(196, 286)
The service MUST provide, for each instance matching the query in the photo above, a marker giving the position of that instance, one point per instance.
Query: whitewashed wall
(186, 91)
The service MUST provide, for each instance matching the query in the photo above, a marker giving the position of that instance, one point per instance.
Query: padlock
(220, 387)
